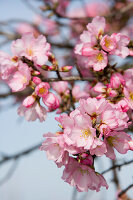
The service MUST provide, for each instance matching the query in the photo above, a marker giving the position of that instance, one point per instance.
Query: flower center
(42, 91)
(107, 42)
(29, 52)
(24, 80)
(131, 95)
(85, 133)
(111, 139)
(83, 171)
(99, 57)
(15, 59)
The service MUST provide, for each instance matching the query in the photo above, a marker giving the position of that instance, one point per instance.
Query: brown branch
(125, 190)
(20, 154)
(115, 175)
(117, 166)
(69, 78)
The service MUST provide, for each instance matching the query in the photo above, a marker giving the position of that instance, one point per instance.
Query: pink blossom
(54, 150)
(97, 26)
(123, 105)
(60, 87)
(92, 106)
(116, 80)
(42, 89)
(98, 60)
(117, 140)
(29, 101)
(36, 80)
(78, 93)
(51, 101)
(35, 111)
(65, 120)
(20, 78)
(36, 49)
(96, 8)
(121, 45)
(98, 148)
(108, 43)
(23, 28)
(128, 76)
(82, 134)
(128, 92)
(131, 145)
(86, 159)
(82, 177)
(8, 65)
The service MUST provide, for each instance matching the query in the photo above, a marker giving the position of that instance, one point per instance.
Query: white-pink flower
(51, 101)
(20, 78)
(35, 111)
(117, 140)
(82, 177)
(121, 45)
(8, 65)
(35, 49)
(108, 43)
(42, 89)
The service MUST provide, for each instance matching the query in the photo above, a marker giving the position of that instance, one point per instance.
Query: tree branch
(117, 166)
(18, 155)
(125, 190)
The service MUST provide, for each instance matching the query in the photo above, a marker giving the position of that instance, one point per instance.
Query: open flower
(35, 49)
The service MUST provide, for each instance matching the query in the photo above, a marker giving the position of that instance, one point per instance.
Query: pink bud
(42, 89)
(28, 101)
(35, 73)
(45, 67)
(51, 101)
(36, 80)
(52, 68)
(112, 93)
(66, 68)
(116, 80)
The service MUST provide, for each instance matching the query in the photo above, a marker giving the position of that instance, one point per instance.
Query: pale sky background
(35, 177)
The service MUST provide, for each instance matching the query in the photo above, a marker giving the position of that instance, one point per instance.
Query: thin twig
(117, 166)
(78, 69)
(125, 190)
(18, 155)
(10, 172)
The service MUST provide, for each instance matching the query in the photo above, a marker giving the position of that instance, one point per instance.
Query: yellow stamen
(15, 59)
(42, 91)
(24, 80)
(85, 133)
(111, 140)
(131, 95)
(29, 52)
(83, 171)
(107, 42)
(99, 57)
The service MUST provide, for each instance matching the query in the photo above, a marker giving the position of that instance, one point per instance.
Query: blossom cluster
(23, 69)
(96, 48)
(95, 128)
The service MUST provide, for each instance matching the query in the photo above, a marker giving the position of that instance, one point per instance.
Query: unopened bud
(66, 68)
(52, 68)
(28, 101)
(35, 73)
(45, 67)
(36, 80)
